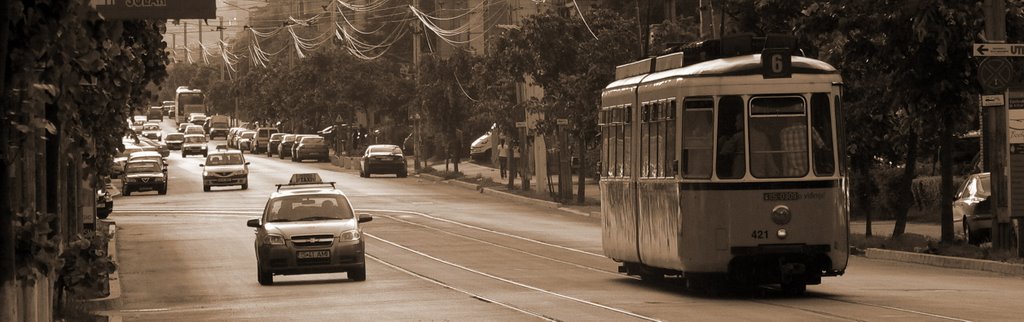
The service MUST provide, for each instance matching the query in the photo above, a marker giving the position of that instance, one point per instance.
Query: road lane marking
(534, 288)
(487, 230)
(594, 269)
(444, 285)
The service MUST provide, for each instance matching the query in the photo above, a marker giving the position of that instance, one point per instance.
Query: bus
(722, 164)
(187, 101)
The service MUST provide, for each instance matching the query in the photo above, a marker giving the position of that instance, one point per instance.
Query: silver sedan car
(309, 227)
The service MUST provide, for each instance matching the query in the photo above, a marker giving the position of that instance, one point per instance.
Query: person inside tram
(731, 152)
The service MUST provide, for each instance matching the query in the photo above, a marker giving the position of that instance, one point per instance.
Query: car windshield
(151, 127)
(386, 149)
(174, 136)
(224, 159)
(288, 138)
(308, 207)
(248, 135)
(145, 157)
(137, 167)
(128, 151)
(195, 139)
(312, 140)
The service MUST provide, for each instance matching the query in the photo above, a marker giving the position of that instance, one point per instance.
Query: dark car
(285, 150)
(144, 175)
(246, 140)
(972, 207)
(174, 140)
(275, 141)
(194, 144)
(307, 229)
(311, 147)
(383, 158)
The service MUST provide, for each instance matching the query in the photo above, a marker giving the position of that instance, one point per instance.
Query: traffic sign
(995, 74)
(520, 124)
(999, 50)
(992, 100)
(562, 121)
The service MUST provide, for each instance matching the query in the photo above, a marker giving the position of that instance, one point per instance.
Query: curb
(508, 195)
(945, 261)
(115, 277)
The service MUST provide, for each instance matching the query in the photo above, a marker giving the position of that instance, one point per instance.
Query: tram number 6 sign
(776, 63)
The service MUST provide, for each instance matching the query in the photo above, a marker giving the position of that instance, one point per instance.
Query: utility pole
(417, 31)
(174, 46)
(184, 31)
(222, 49)
(996, 125)
(707, 20)
(202, 50)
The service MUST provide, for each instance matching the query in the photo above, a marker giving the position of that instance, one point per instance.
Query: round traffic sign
(995, 73)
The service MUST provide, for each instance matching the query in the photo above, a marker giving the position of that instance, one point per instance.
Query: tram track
(520, 250)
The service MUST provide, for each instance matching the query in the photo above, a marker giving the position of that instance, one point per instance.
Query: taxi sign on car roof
(304, 179)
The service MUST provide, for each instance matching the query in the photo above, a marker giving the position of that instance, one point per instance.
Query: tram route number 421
(759, 234)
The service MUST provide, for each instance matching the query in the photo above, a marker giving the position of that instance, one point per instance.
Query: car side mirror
(202, 165)
(365, 218)
(253, 223)
(246, 162)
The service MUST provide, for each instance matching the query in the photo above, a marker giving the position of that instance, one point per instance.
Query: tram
(723, 164)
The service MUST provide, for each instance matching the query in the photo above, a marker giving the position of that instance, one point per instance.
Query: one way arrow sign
(999, 50)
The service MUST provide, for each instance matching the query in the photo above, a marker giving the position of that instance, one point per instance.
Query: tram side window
(778, 137)
(603, 125)
(669, 157)
(627, 133)
(645, 140)
(696, 138)
(731, 144)
(821, 122)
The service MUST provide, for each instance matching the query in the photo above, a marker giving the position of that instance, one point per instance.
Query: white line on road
(487, 230)
(534, 288)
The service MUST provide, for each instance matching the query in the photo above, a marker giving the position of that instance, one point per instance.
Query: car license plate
(313, 254)
(225, 180)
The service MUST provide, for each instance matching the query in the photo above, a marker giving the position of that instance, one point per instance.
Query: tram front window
(778, 137)
(729, 164)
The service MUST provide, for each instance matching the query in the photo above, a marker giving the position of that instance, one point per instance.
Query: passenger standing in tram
(732, 150)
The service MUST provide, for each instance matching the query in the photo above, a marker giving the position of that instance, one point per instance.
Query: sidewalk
(489, 178)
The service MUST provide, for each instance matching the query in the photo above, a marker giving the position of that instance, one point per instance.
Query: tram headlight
(781, 233)
(781, 215)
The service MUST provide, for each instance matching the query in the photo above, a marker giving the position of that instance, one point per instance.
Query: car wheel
(294, 159)
(183, 154)
(102, 214)
(265, 278)
(358, 274)
(162, 191)
(403, 174)
(126, 192)
(204, 154)
(280, 156)
(245, 186)
(794, 288)
(269, 154)
(362, 173)
(968, 235)
(206, 188)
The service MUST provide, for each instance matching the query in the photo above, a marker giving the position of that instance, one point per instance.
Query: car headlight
(206, 174)
(350, 235)
(273, 240)
(130, 179)
(203, 147)
(159, 179)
